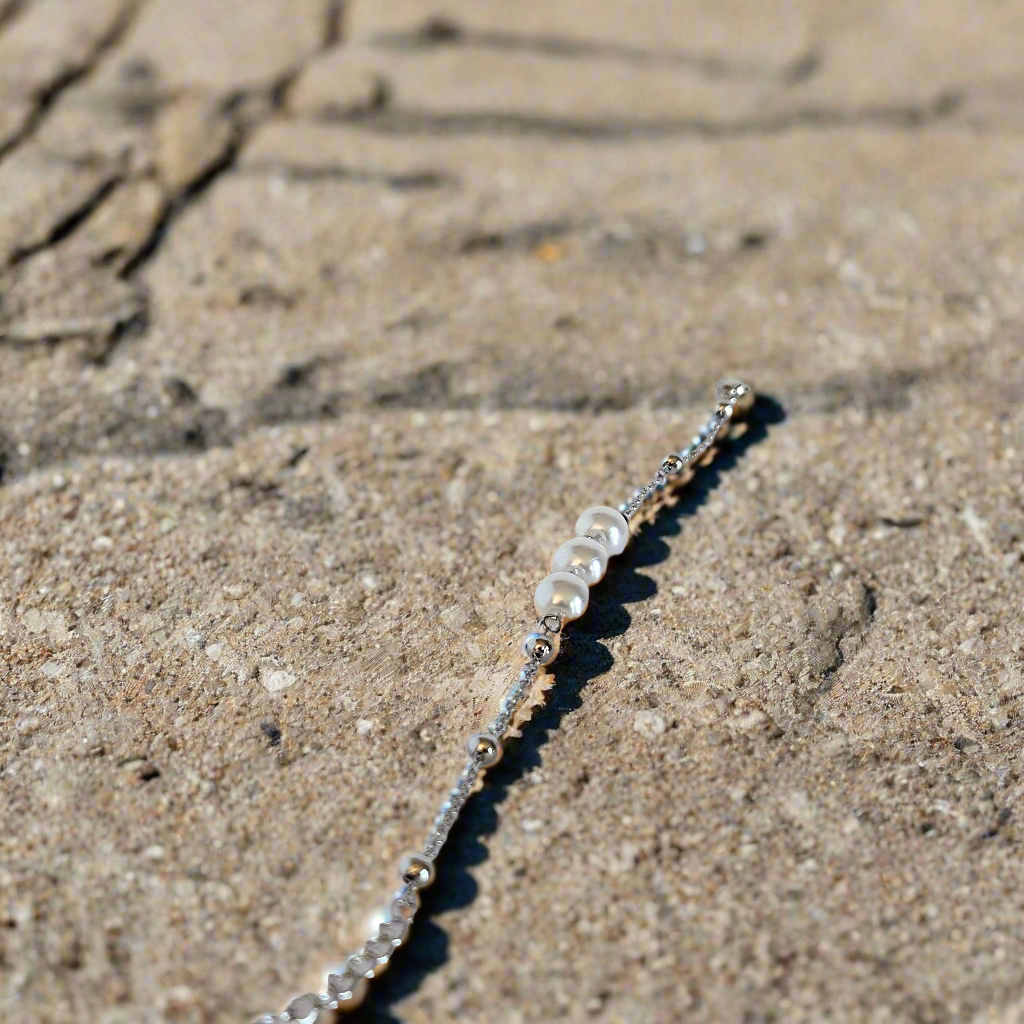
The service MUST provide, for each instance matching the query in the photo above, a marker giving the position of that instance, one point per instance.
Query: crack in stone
(443, 32)
(9, 11)
(47, 97)
(407, 121)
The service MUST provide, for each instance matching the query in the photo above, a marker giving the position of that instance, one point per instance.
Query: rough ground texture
(319, 324)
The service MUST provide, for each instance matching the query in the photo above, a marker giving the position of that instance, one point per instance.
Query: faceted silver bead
(341, 985)
(303, 1009)
(583, 556)
(404, 905)
(360, 964)
(356, 997)
(379, 949)
(541, 647)
(393, 930)
(487, 747)
(417, 870)
(564, 593)
(605, 525)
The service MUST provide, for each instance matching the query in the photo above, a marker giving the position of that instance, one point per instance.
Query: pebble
(649, 724)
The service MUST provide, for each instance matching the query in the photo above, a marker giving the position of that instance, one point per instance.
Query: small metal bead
(355, 998)
(360, 964)
(551, 623)
(485, 746)
(417, 870)
(394, 930)
(341, 984)
(380, 950)
(302, 1010)
(734, 393)
(672, 465)
(403, 906)
(541, 648)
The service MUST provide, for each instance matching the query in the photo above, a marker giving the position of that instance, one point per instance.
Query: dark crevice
(9, 10)
(234, 107)
(403, 182)
(441, 32)
(334, 24)
(71, 222)
(177, 204)
(46, 98)
(411, 122)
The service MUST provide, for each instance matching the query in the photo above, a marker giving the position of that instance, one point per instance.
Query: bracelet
(577, 565)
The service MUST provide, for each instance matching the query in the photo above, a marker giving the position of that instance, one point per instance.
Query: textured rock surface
(319, 325)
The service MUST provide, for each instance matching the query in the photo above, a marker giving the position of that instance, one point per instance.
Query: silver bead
(355, 998)
(735, 393)
(541, 647)
(404, 905)
(303, 1009)
(381, 950)
(417, 870)
(360, 964)
(341, 985)
(486, 747)
(564, 593)
(605, 525)
(584, 557)
(672, 465)
(393, 930)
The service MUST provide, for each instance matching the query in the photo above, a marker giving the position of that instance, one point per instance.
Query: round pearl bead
(583, 556)
(605, 525)
(562, 592)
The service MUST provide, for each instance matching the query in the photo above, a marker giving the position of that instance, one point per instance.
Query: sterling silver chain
(562, 596)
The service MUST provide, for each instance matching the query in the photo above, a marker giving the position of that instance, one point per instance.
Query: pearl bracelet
(577, 565)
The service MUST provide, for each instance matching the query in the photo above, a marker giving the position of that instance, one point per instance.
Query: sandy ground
(319, 325)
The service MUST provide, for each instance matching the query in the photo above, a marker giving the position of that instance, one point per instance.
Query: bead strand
(578, 564)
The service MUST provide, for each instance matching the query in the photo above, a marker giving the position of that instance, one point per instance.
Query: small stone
(277, 679)
(649, 724)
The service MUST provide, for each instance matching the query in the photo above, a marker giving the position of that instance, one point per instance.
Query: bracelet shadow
(583, 657)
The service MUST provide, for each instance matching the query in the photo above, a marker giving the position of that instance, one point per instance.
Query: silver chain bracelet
(560, 597)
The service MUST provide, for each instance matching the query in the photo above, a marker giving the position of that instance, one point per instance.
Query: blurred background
(321, 315)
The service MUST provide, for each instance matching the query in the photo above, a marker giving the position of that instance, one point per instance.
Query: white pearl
(562, 592)
(583, 556)
(605, 525)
